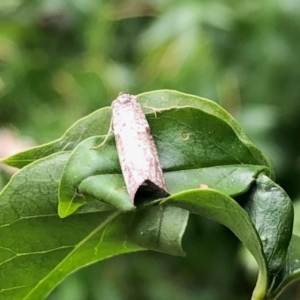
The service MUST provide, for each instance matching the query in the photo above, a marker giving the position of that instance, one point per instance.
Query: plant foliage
(211, 169)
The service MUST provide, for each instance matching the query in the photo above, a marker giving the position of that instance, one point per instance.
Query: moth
(136, 149)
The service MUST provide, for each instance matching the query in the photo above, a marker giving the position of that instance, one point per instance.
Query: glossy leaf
(98, 122)
(231, 180)
(223, 209)
(94, 124)
(268, 218)
(187, 139)
(272, 214)
(38, 249)
(206, 158)
(167, 98)
(290, 271)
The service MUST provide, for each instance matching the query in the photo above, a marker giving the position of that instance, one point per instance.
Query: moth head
(124, 98)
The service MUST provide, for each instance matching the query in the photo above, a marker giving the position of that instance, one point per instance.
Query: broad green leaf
(199, 145)
(182, 134)
(94, 124)
(290, 271)
(84, 163)
(167, 98)
(272, 214)
(223, 209)
(98, 122)
(187, 140)
(38, 249)
(230, 180)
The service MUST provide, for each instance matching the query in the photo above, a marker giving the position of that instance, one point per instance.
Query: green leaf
(264, 227)
(223, 209)
(94, 124)
(98, 122)
(290, 271)
(167, 98)
(272, 214)
(187, 139)
(199, 145)
(182, 134)
(76, 188)
(38, 249)
(231, 180)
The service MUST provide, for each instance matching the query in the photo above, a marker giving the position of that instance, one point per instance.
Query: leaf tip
(65, 209)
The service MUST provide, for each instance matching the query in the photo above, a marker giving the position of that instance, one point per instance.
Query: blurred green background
(60, 60)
